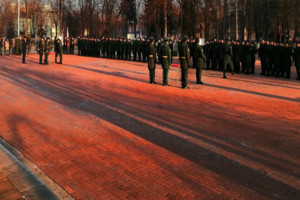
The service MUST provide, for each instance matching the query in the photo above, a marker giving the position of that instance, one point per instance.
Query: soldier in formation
(151, 61)
(165, 53)
(184, 57)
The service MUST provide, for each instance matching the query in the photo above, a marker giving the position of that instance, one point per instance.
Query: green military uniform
(165, 53)
(296, 57)
(46, 51)
(184, 56)
(227, 59)
(151, 62)
(41, 50)
(58, 51)
(200, 58)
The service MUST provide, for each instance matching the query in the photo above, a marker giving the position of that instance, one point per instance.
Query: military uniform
(24, 48)
(58, 51)
(46, 51)
(236, 50)
(151, 62)
(253, 53)
(41, 50)
(287, 63)
(165, 53)
(200, 58)
(296, 57)
(184, 56)
(227, 59)
(207, 52)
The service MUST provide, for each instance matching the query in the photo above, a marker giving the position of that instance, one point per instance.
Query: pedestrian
(184, 56)
(24, 48)
(47, 50)
(58, 51)
(200, 58)
(165, 53)
(151, 61)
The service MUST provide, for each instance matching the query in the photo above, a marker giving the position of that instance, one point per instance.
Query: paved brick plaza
(101, 131)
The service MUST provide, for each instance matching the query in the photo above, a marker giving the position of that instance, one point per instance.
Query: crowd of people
(235, 56)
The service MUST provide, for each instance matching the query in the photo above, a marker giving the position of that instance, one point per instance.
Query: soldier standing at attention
(47, 50)
(207, 51)
(227, 58)
(58, 51)
(24, 48)
(287, 63)
(253, 59)
(165, 53)
(184, 56)
(200, 58)
(151, 61)
(236, 50)
(296, 57)
(41, 49)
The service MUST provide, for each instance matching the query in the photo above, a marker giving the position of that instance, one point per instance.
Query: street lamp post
(18, 17)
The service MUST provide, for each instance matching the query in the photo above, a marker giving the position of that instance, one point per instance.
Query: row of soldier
(276, 59)
(116, 48)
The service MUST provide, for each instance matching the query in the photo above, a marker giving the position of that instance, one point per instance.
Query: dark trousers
(152, 75)
(165, 76)
(60, 57)
(263, 66)
(41, 58)
(46, 59)
(208, 65)
(184, 76)
(24, 55)
(198, 74)
(298, 71)
(237, 67)
(252, 69)
(214, 63)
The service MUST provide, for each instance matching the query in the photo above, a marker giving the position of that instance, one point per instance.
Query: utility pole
(165, 18)
(236, 21)
(18, 17)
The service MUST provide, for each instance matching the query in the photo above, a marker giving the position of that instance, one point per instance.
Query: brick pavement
(7, 190)
(99, 130)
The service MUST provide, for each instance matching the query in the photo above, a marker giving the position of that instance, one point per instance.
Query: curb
(27, 178)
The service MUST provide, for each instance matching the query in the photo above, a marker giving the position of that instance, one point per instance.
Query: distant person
(296, 57)
(24, 48)
(227, 59)
(58, 51)
(200, 58)
(185, 62)
(151, 61)
(165, 53)
(41, 49)
(47, 50)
